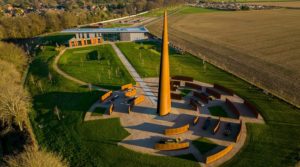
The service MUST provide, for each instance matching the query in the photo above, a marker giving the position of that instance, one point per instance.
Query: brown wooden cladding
(193, 85)
(183, 78)
(213, 92)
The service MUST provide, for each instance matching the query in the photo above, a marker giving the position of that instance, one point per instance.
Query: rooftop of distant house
(107, 30)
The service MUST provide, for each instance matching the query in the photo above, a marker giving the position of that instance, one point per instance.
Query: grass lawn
(88, 144)
(187, 157)
(204, 145)
(160, 11)
(99, 111)
(217, 111)
(277, 142)
(116, 25)
(98, 65)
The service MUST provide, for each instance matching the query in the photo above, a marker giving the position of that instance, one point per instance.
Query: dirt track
(259, 46)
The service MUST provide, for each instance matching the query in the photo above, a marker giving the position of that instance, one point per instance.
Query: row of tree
(52, 20)
(35, 24)
(15, 104)
(75, 4)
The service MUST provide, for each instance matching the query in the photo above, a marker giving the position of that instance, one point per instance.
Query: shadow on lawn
(65, 101)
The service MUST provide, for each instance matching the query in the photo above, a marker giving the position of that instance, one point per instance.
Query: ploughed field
(292, 4)
(261, 47)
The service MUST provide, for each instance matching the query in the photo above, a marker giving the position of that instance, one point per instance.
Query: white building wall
(125, 36)
(132, 36)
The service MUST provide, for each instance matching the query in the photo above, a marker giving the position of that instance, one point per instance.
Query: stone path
(135, 75)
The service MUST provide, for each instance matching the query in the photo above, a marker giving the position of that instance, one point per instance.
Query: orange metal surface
(164, 97)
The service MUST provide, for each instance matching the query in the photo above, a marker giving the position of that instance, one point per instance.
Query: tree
(14, 100)
(32, 157)
(13, 54)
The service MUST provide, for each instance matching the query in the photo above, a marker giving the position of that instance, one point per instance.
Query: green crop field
(90, 144)
(270, 144)
(98, 65)
(192, 10)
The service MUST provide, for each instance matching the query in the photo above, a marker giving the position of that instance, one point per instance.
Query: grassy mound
(98, 65)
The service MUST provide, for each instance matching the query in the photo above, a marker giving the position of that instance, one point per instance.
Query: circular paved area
(146, 128)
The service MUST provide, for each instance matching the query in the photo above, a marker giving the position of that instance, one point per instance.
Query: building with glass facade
(86, 36)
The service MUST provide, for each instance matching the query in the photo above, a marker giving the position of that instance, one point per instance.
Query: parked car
(228, 129)
(207, 123)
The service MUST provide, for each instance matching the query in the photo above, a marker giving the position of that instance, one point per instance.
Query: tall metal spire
(164, 94)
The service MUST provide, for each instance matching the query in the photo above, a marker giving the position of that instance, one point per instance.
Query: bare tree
(14, 100)
(14, 106)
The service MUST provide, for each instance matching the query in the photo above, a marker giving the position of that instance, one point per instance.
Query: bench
(127, 86)
(111, 108)
(179, 130)
(130, 93)
(176, 96)
(105, 96)
(213, 92)
(252, 108)
(192, 85)
(238, 136)
(218, 155)
(183, 78)
(217, 126)
(139, 100)
(222, 88)
(171, 146)
(233, 108)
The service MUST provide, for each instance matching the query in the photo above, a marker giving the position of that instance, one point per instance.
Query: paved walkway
(135, 75)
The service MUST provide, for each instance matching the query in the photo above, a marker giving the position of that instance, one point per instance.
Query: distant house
(85, 36)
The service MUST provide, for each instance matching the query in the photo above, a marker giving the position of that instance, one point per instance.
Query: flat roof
(106, 30)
